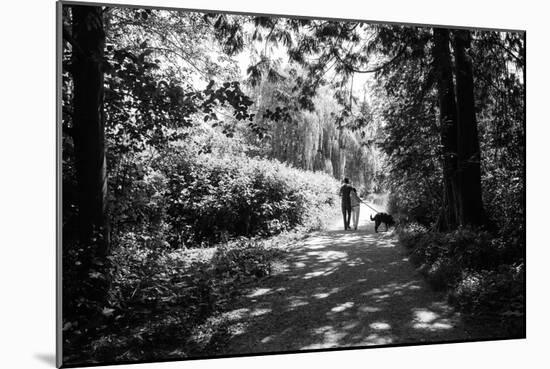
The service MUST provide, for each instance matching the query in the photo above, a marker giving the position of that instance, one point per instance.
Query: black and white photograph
(241, 184)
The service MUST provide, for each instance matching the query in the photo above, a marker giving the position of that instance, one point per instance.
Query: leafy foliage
(194, 199)
(483, 275)
(210, 171)
(161, 298)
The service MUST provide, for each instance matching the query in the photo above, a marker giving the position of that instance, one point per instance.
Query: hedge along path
(341, 288)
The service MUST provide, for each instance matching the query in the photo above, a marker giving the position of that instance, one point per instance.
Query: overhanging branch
(373, 70)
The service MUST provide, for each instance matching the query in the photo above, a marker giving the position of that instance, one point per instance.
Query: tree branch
(373, 70)
(518, 59)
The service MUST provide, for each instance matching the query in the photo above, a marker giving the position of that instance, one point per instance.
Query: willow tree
(305, 41)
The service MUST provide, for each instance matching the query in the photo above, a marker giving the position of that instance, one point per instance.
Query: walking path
(342, 288)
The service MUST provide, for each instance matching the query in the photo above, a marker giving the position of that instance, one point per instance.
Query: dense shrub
(479, 271)
(498, 295)
(212, 198)
(190, 199)
(492, 290)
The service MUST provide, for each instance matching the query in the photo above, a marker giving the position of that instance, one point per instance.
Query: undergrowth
(164, 301)
(483, 275)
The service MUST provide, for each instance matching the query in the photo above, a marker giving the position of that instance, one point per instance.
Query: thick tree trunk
(448, 127)
(469, 172)
(89, 143)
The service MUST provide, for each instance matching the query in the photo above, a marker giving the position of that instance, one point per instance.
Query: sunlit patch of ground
(342, 307)
(339, 289)
(430, 320)
(259, 292)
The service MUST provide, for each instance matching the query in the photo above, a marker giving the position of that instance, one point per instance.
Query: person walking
(355, 207)
(346, 202)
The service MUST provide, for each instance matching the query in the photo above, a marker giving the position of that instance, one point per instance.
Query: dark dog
(382, 218)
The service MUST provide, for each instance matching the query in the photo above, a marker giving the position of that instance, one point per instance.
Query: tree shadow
(341, 289)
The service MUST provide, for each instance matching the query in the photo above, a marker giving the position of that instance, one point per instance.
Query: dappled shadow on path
(341, 289)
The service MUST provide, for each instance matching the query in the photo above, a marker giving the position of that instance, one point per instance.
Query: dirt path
(342, 288)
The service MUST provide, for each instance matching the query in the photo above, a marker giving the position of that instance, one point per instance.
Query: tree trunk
(469, 172)
(448, 127)
(335, 158)
(89, 144)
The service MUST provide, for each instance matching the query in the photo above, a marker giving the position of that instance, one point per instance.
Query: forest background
(34, 195)
(184, 177)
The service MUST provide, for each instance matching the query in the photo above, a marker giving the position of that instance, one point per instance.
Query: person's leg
(348, 217)
(355, 216)
(344, 216)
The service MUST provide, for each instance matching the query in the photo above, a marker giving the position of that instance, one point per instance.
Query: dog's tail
(371, 218)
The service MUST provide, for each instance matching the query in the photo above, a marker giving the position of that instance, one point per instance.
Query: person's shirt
(355, 200)
(345, 193)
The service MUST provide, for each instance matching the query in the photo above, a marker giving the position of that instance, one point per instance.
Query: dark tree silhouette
(88, 36)
(448, 126)
(469, 172)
